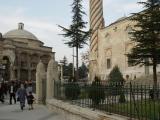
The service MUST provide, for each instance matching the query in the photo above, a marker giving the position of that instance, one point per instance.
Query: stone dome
(20, 33)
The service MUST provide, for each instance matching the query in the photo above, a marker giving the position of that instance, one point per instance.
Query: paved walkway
(13, 112)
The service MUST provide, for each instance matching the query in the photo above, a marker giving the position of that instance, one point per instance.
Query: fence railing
(132, 100)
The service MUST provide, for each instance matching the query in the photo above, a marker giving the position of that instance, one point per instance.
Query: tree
(65, 68)
(146, 35)
(115, 76)
(77, 36)
(72, 90)
(96, 92)
(83, 71)
(115, 82)
(69, 68)
(65, 61)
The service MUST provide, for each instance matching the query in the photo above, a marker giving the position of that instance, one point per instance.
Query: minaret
(96, 23)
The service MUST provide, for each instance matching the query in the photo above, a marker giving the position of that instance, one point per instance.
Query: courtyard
(40, 112)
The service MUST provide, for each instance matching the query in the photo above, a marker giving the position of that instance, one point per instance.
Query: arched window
(108, 58)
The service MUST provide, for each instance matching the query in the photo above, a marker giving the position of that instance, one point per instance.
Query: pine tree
(115, 76)
(83, 70)
(65, 68)
(146, 35)
(77, 36)
(115, 82)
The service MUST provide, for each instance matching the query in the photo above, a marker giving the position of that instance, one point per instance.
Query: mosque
(20, 52)
(110, 44)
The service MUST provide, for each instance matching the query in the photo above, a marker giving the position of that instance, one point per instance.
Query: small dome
(20, 33)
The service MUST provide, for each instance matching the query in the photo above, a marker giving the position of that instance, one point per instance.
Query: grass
(143, 110)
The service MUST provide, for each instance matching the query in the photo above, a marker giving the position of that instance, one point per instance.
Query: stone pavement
(13, 112)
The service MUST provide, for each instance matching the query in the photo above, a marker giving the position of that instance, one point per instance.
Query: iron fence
(135, 101)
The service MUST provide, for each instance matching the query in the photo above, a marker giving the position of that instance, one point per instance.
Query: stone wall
(73, 112)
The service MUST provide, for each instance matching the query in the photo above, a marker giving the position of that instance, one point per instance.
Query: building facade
(111, 46)
(20, 52)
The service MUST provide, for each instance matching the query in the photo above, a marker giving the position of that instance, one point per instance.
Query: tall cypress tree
(146, 35)
(77, 36)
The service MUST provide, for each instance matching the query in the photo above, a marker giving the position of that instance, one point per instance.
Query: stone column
(61, 72)
(18, 66)
(29, 66)
(12, 72)
(40, 77)
(52, 75)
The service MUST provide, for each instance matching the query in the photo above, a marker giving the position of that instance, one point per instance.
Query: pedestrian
(1, 94)
(22, 96)
(12, 92)
(28, 90)
(30, 99)
(5, 89)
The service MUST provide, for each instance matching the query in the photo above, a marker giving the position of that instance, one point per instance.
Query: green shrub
(72, 91)
(116, 82)
(122, 98)
(96, 92)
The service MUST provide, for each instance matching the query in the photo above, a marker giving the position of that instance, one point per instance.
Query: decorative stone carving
(52, 75)
(40, 79)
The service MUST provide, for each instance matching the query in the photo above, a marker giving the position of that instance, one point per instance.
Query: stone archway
(9, 60)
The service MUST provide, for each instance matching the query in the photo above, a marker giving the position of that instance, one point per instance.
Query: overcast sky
(41, 17)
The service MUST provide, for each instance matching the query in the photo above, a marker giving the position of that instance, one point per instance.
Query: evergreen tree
(146, 35)
(65, 68)
(70, 67)
(83, 71)
(115, 76)
(96, 92)
(77, 36)
(65, 61)
(115, 82)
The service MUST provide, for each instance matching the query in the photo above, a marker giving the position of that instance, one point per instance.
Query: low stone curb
(73, 112)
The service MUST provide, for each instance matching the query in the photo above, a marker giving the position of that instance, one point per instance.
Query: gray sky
(41, 17)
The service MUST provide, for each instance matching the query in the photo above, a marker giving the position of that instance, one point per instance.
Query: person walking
(1, 93)
(28, 90)
(30, 99)
(12, 92)
(22, 96)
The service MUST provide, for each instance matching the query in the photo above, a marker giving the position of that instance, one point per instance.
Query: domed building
(20, 52)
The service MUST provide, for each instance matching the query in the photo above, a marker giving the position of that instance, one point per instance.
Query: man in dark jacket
(1, 93)
(12, 92)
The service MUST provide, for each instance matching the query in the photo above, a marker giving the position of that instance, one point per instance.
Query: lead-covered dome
(20, 33)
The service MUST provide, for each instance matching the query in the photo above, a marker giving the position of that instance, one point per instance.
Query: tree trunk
(155, 79)
(77, 71)
(155, 74)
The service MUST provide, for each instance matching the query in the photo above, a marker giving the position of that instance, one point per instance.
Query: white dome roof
(20, 33)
